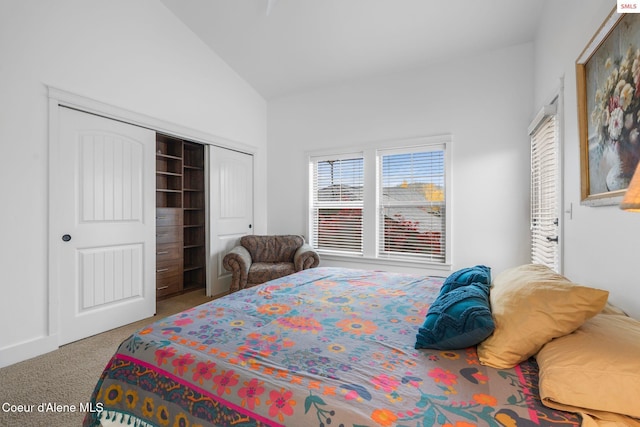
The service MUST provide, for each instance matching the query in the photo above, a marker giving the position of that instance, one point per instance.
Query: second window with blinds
(382, 203)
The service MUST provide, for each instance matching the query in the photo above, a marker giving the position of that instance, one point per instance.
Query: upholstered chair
(258, 259)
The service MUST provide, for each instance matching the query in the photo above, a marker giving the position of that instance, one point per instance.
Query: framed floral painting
(608, 79)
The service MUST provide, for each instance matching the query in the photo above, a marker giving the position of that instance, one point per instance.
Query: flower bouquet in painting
(614, 142)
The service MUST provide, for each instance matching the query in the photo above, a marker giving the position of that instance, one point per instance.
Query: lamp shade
(631, 199)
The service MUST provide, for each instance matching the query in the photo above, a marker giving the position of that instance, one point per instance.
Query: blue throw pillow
(466, 276)
(457, 319)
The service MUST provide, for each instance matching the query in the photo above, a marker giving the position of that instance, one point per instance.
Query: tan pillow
(595, 370)
(531, 305)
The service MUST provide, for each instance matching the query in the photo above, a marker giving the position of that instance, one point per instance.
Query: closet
(180, 216)
(109, 259)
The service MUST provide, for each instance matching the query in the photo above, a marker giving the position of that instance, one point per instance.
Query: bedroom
(145, 50)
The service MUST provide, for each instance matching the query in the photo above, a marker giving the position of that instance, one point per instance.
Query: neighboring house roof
(340, 193)
(422, 219)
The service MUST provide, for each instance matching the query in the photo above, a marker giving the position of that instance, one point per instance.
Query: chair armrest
(238, 261)
(305, 257)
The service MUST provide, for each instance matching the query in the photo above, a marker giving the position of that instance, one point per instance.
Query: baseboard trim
(27, 350)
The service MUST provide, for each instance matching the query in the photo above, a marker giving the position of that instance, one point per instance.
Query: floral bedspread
(323, 347)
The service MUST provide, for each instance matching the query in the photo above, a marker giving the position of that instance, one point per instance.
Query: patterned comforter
(323, 347)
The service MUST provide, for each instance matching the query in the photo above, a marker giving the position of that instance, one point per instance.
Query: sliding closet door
(103, 223)
(231, 208)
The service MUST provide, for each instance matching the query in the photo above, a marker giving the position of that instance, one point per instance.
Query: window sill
(390, 262)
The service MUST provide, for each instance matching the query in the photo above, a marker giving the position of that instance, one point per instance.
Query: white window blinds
(545, 189)
(337, 202)
(411, 198)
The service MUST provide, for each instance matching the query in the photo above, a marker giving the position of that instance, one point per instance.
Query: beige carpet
(68, 375)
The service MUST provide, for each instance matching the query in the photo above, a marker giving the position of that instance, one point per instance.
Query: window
(411, 203)
(545, 189)
(383, 203)
(337, 203)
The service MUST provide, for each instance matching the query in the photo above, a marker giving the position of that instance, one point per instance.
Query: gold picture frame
(608, 88)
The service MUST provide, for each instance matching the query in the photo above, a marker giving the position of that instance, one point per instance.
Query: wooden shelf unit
(168, 172)
(180, 216)
(194, 216)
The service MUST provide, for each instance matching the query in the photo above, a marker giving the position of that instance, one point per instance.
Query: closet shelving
(180, 215)
(194, 216)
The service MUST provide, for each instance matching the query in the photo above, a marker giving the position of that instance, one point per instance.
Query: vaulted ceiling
(284, 46)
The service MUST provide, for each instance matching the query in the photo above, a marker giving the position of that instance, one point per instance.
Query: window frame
(381, 206)
(318, 204)
(371, 212)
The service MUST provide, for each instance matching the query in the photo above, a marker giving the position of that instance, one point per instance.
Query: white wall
(484, 101)
(131, 54)
(600, 243)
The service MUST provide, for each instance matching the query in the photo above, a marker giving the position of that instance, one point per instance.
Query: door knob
(66, 238)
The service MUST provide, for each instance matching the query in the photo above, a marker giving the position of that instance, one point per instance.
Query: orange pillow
(531, 305)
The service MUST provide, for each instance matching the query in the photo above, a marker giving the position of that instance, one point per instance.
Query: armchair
(258, 259)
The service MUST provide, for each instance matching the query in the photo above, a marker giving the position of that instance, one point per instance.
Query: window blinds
(544, 190)
(337, 201)
(411, 202)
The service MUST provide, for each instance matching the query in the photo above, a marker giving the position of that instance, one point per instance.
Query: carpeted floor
(68, 375)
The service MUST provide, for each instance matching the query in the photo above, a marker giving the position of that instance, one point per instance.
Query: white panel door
(231, 208)
(104, 224)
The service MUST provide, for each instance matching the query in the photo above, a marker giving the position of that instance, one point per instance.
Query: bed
(322, 347)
